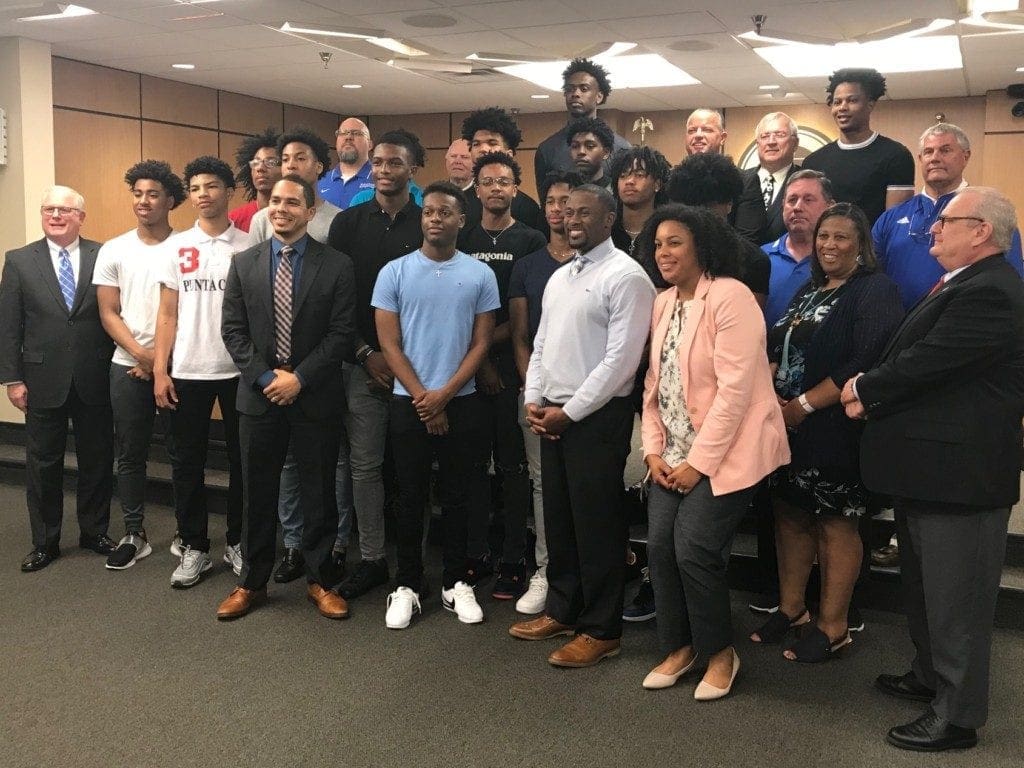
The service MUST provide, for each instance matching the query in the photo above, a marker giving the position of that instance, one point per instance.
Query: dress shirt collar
(299, 246)
(924, 192)
(56, 249)
(950, 275)
(599, 252)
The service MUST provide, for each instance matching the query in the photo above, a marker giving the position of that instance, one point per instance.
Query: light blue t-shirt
(364, 195)
(437, 303)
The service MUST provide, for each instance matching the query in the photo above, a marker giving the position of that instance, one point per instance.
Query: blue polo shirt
(415, 192)
(902, 243)
(334, 189)
(787, 275)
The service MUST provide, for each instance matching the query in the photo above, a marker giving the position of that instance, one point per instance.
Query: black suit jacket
(749, 216)
(946, 400)
(42, 343)
(323, 324)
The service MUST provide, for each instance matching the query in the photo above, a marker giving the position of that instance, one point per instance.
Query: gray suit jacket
(42, 343)
(323, 325)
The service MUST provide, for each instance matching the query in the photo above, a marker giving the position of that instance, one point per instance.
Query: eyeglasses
(349, 134)
(941, 221)
(779, 135)
(266, 162)
(502, 182)
(55, 210)
(394, 163)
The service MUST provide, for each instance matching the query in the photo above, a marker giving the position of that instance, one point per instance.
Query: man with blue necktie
(54, 361)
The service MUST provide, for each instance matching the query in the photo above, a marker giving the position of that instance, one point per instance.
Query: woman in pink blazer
(712, 429)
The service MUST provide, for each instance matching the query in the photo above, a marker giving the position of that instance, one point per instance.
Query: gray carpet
(112, 669)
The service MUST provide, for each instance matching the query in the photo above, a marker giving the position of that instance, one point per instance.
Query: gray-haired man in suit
(55, 362)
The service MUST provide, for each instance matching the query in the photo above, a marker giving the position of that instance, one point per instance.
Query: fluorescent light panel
(66, 12)
(902, 54)
(641, 71)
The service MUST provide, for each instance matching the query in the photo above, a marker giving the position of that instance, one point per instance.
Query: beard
(348, 156)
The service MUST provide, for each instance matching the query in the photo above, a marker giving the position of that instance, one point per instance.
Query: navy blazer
(323, 327)
(42, 343)
(944, 406)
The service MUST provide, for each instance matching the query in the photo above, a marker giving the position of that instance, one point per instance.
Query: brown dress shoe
(239, 603)
(584, 651)
(330, 604)
(540, 628)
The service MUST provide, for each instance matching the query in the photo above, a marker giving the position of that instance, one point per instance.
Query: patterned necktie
(283, 304)
(577, 265)
(768, 190)
(66, 278)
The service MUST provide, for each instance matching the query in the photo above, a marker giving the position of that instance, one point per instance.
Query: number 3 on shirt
(188, 260)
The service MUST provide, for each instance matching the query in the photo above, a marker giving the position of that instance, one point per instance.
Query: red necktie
(938, 285)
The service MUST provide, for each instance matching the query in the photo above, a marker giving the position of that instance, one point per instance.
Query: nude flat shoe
(707, 692)
(658, 680)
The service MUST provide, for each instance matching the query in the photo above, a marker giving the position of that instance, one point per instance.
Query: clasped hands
(854, 407)
(284, 388)
(430, 407)
(680, 479)
(548, 421)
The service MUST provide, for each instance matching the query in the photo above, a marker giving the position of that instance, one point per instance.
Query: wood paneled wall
(106, 120)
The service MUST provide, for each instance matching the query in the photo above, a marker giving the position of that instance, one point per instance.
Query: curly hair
(594, 125)
(870, 80)
(571, 178)
(866, 259)
(311, 140)
(211, 165)
(247, 151)
(160, 172)
(642, 159)
(498, 158)
(596, 71)
(705, 179)
(496, 120)
(447, 188)
(717, 246)
(400, 137)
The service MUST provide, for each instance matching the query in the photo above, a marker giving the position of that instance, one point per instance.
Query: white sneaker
(461, 600)
(536, 595)
(233, 557)
(176, 548)
(191, 569)
(402, 604)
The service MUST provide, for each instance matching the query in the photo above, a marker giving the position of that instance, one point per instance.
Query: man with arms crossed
(55, 362)
(595, 319)
(128, 292)
(289, 351)
(435, 316)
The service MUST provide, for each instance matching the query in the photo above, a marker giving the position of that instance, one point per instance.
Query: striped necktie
(579, 261)
(283, 305)
(66, 278)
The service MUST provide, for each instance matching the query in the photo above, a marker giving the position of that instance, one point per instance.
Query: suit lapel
(49, 277)
(263, 267)
(693, 318)
(312, 260)
(87, 252)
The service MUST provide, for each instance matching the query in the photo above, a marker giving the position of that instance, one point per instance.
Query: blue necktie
(66, 278)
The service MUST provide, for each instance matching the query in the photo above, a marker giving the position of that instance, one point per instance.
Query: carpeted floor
(112, 669)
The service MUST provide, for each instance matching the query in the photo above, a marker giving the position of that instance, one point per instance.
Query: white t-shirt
(134, 268)
(196, 266)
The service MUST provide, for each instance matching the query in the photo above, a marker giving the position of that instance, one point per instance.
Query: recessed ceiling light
(183, 66)
(540, 96)
(65, 12)
(351, 85)
(768, 87)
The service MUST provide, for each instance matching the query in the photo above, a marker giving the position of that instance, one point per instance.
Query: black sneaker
(367, 575)
(642, 607)
(478, 570)
(133, 547)
(511, 582)
(854, 621)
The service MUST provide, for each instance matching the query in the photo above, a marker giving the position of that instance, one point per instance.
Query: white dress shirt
(74, 254)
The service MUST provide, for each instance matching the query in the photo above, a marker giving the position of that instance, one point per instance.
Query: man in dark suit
(758, 213)
(943, 437)
(55, 362)
(288, 322)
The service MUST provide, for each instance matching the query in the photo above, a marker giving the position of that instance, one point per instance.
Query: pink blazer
(741, 436)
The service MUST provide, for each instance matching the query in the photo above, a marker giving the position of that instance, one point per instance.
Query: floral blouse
(671, 398)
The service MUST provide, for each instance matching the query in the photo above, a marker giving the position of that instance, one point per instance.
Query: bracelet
(808, 408)
(364, 352)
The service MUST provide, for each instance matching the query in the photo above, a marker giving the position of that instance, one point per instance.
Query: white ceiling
(240, 49)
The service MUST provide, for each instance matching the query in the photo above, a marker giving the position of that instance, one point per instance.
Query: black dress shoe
(292, 566)
(338, 558)
(101, 544)
(931, 733)
(39, 558)
(904, 687)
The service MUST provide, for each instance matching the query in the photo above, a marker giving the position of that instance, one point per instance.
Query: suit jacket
(749, 216)
(323, 325)
(42, 343)
(741, 436)
(945, 403)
